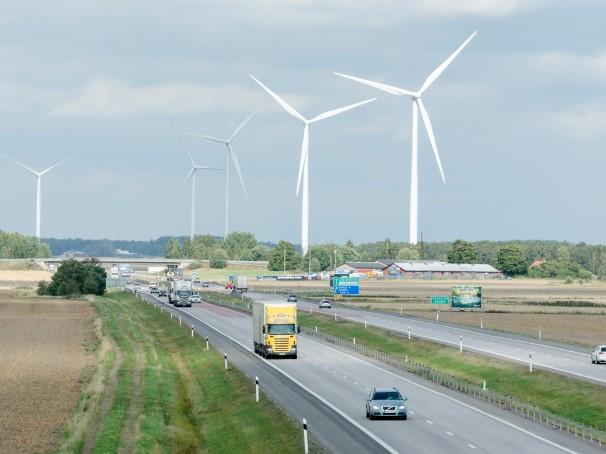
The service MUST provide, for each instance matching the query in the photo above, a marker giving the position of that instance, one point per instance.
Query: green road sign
(439, 300)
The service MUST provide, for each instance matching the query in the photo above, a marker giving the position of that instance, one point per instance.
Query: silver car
(325, 304)
(598, 355)
(386, 403)
(195, 299)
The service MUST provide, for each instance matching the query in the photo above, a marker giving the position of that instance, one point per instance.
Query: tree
(511, 260)
(260, 252)
(462, 252)
(236, 242)
(75, 278)
(218, 258)
(277, 257)
(390, 250)
(320, 256)
(173, 249)
(408, 253)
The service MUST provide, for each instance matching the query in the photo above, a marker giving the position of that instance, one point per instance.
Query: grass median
(168, 394)
(575, 399)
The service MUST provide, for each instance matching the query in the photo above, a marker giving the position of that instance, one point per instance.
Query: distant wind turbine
(231, 155)
(417, 105)
(304, 161)
(38, 186)
(192, 173)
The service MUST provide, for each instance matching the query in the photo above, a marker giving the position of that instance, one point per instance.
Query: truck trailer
(179, 292)
(238, 283)
(275, 329)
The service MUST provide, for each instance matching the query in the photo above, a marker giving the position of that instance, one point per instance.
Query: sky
(519, 117)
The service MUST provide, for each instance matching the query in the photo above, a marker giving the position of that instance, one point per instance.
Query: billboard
(466, 298)
(346, 285)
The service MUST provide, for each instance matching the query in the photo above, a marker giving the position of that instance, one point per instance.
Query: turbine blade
(280, 101)
(21, 164)
(57, 164)
(182, 142)
(432, 139)
(211, 138)
(440, 69)
(384, 87)
(332, 113)
(191, 172)
(304, 155)
(238, 170)
(239, 128)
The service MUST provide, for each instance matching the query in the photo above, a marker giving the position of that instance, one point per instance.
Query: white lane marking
(428, 421)
(355, 383)
(412, 412)
(471, 446)
(302, 386)
(449, 433)
(452, 399)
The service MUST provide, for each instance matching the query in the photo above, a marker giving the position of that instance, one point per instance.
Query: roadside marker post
(409, 333)
(540, 333)
(354, 341)
(179, 320)
(530, 362)
(192, 330)
(257, 389)
(364, 323)
(461, 344)
(481, 322)
(484, 385)
(401, 309)
(335, 316)
(305, 442)
(438, 316)
(171, 315)
(225, 359)
(316, 328)
(207, 343)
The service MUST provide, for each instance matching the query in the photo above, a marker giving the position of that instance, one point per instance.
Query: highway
(439, 420)
(558, 358)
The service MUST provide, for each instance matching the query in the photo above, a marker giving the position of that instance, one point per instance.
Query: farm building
(419, 269)
(370, 269)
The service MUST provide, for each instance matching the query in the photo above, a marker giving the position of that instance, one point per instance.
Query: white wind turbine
(417, 105)
(231, 155)
(303, 178)
(38, 186)
(192, 173)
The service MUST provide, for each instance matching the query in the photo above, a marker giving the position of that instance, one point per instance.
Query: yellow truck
(275, 329)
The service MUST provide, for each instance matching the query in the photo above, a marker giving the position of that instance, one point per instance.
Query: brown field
(43, 356)
(10, 279)
(519, 305)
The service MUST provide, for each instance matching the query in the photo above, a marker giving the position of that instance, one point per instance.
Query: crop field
(44, 354)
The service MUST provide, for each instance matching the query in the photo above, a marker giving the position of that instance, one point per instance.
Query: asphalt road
(557, 358)
(439, 420)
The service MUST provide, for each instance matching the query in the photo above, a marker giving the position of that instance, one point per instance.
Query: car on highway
(205, 284)
(153, 290)
(194, 299)
(386, 403)
(291, 298)
(162, 292)
(598, 355)
(325, 304)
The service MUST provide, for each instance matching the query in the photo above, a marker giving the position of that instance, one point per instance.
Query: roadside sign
(469, 298)
(346, 285)
(440, 300)
(194, 274)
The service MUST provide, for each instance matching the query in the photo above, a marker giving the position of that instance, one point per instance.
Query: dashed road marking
(471, 446)
(428, 421)
(449, 433)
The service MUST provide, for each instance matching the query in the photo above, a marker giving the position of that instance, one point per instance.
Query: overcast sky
(519, 117)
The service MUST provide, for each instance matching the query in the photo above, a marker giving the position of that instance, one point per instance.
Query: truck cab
(275, 329)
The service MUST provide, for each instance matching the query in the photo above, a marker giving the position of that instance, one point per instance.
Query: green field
(161, 391)
(574, 399)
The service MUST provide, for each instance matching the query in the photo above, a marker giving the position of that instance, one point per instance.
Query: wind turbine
(230, 155)
(192, 173)
(38, 186)
(303, 178)
(417, 105)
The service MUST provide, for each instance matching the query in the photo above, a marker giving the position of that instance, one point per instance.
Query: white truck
(238, 283)
(179, 292)
(275, 329)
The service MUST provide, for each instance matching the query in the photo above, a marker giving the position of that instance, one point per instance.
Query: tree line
(17, 246)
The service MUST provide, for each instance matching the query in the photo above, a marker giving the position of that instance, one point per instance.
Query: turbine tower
(38, 186)
(417, 106)
(303, 178)
(230, 155)
(192, 173)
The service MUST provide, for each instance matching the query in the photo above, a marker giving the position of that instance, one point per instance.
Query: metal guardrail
(503, 401)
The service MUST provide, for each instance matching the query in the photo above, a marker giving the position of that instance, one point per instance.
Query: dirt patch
(43, 355)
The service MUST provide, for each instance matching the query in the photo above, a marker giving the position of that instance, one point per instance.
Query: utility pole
(284, 261)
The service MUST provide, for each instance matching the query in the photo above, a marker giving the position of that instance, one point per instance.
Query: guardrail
(503, 401)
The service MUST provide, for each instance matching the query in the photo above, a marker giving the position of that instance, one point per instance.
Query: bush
(218, 258)
(75, 278)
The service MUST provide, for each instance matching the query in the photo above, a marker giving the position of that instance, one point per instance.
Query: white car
(195, 299)
(598, 355)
